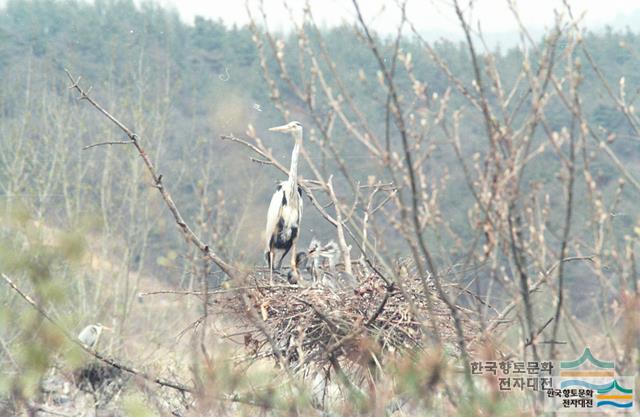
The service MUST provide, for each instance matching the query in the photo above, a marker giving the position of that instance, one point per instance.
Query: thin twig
(120, 142)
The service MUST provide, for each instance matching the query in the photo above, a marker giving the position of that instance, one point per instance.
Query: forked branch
(188, 233)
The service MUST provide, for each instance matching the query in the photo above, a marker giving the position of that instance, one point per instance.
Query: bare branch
(157, 179)
(121, 142)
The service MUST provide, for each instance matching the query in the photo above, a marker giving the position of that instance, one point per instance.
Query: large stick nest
(313, 325)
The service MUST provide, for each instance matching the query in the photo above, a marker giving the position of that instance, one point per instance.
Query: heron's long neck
(293, 171)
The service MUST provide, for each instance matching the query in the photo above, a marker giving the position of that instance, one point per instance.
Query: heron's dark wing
(274, 213)
(300, 207)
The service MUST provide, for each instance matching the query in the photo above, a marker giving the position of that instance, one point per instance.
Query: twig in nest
(380, 308)
(319, 313)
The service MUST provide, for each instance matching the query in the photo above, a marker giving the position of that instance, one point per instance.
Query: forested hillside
(183, 85)
(494, 166)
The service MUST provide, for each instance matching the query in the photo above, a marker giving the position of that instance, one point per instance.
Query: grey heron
(285, 210)
(103, 381)
(90, 335)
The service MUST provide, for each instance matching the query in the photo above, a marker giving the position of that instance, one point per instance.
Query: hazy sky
(430, 16)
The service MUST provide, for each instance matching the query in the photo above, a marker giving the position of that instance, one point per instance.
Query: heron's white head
(90, 335)
(313, 247)
(291, 127)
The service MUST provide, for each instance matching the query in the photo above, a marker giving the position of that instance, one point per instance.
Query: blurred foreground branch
(116, 364)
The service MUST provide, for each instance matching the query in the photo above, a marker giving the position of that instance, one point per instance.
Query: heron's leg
(285, 254)
(272, 258)
(294, 263)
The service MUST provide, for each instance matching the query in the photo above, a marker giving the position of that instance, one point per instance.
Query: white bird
(90, 335)
(331, 252)
(332, 278)
(318, 253)
(285, 210)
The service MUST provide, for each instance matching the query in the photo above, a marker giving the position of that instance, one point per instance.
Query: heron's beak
(110, 329)
(283, 128)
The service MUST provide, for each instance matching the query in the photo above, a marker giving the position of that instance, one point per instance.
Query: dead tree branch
(157, 179)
